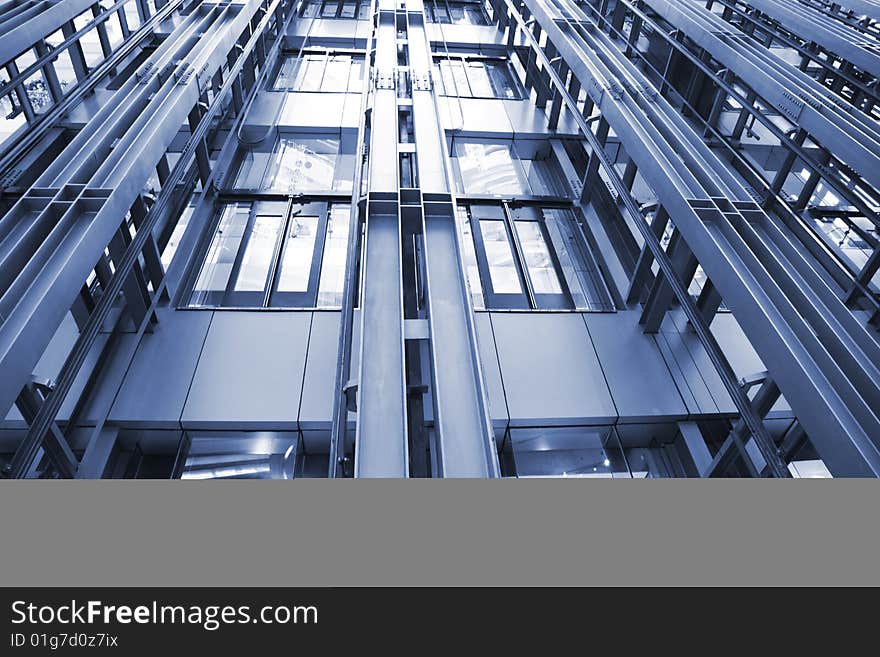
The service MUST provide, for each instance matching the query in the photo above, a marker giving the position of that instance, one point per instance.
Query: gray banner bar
(465, 532)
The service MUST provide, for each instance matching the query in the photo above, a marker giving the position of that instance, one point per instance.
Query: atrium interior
(280, 239)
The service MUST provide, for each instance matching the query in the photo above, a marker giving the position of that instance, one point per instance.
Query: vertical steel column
(465, 439)
(381, 448)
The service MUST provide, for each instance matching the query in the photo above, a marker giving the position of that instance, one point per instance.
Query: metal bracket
(421, 81)
(349, 390)
(385, 80)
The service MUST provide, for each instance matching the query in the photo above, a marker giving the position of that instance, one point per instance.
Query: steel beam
(818, 352)
(381, 442)
(461, 415)
(127, 265)
(829, 33)
(855, 137)
(62, 225)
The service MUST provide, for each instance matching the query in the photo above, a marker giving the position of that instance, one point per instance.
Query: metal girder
(652, 242)
(867, 272)
(13, 151)
(642, 274)
(854, 137)
(344, 389)
(829, 33)
(381, 438)
(865, 97)
(767, 395)
(61, 226)
(126, 265)
(868, 8)
(97, 454)
(660, 297)
(821, 356)
(35, 23)
(723, 80)
(465, 440)
(56, 446)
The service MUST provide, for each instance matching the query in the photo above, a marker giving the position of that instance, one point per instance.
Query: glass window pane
(286, 75)
(473, 15)
(348, 9)
(343, 176)
(537, 258)
(447, 79)
(309, 72)
(336, 74)
(302, 164)
(221, 254)
(330, 8)
(257, 259)
(364, 9)
(469, 255)
(253, 167)
(356, 74)
(578, 267)
(502, 269)
(333, 265)
(298, 253)
(436, 12)
(64, 71)
(459, 83)
(310, 9)
(177, 234)
(487, 168)
(540, 172)
(479, 80)
(501, 80)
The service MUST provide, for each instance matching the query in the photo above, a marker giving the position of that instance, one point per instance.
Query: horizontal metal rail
(7, 86)
(864, 94)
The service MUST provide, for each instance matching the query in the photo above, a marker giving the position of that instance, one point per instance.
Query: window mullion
(518, 254)
(278, 254)
(482, 260)
(239, 255)
(318, 254)
(325, 63)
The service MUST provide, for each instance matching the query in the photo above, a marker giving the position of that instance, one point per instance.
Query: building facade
(510, 238)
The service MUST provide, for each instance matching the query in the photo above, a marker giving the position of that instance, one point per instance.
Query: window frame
(316, 9)
(433, 8)
(270, 297)
(355, 57)
(264, 170)
(467, 61)
(527, 298)
(542, 178)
